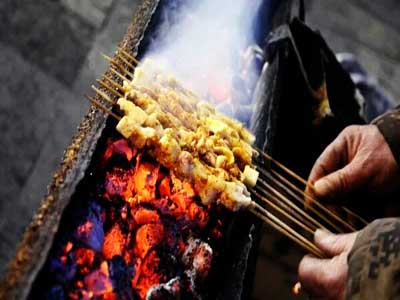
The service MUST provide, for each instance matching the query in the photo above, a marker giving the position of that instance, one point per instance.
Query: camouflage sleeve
(389, 126)
(374, 262)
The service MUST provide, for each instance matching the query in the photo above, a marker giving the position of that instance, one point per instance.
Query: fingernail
(322, 236)
(322, 232)
(320, 187)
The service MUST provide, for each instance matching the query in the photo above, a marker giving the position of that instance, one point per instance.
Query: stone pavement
(49, 56)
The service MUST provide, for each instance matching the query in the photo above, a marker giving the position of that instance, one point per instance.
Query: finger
(330, 160)
(323, 277)
(341, 182)
(334, 244)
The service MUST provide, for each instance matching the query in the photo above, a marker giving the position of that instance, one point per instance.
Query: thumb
(338, 183)
(334, 244)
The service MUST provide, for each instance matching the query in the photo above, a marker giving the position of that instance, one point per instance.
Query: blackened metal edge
(263, 125)
(37, 240)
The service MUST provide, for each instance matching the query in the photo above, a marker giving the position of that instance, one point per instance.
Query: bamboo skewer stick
(120, 75)
(103, 108)
(300, 179)
(300, 200)
(316, 202)
(284, 213)
(104, 95)
(114, 83)
(286, 233)
(291, 208)
(290, 203)
(287, 170)
(354, 215)
(129, 56)
(125, 60)
(270, 217)
(106, 86)
(117, 64)
(288, 206)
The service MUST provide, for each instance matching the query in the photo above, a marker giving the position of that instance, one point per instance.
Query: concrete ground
(50, 54)
(49, 57)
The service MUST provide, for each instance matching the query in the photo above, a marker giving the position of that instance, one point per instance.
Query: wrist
(389, 126)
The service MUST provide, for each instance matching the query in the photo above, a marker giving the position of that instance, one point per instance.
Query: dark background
(50, 55)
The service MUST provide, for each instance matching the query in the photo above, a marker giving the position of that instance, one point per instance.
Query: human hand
(325, 279)
(358, 159)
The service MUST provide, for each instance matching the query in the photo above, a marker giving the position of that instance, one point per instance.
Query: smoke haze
(203, 43)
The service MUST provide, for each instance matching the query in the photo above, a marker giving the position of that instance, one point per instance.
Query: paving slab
(93, 11)
(46, 34)
(38, 117)
(106, 42)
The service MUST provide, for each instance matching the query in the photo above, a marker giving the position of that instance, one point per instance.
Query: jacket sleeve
(389, 126)
(374, 262)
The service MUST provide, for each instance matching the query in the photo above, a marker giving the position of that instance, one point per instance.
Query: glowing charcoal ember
(198, 258)
(68, 247)
(179, 186)
(99, 282)
(147, 237)
(120, 147)
(143, 216)
(114, 242)
(198, 215)
(118, 183)
(90, 233)
(135, 236)
(165, 291)
(147, 275)
(84, 259)
(124, 212)
(165, 187)
(81, 295)
(144, 179)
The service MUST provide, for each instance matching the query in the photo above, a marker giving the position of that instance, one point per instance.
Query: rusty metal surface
(32, 250)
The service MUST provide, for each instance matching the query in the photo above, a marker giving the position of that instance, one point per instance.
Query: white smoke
(204, 47)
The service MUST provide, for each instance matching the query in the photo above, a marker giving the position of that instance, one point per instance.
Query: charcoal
(55, 293)
(90, 233)
(197, 258)
(121, 275)
(63, 272)
(99, 282)
(165, 291)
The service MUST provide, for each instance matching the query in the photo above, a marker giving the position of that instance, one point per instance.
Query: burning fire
(141, 238)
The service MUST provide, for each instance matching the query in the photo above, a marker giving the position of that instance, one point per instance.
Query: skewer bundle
(279, 195)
